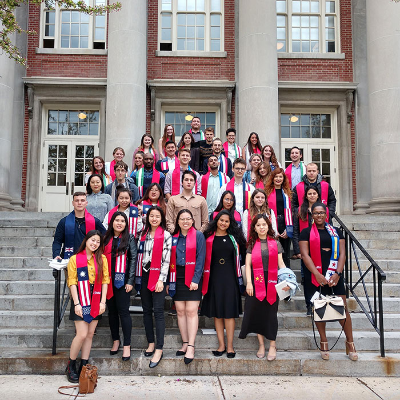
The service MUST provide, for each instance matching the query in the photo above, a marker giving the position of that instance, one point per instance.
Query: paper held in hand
(58, 264)
(282, 293)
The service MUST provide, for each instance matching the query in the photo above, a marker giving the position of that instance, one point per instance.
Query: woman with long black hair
(154, 196)
(88, 281)
(228, 202)
(222, 278)
(120, 250)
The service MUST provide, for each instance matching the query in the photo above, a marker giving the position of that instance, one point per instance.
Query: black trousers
(118, 309)
(284, 242)
(309, 290)
(153, 302)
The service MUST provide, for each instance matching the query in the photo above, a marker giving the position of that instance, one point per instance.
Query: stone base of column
(384, 205)
(361, 208)
(5, 202)
(18, 205)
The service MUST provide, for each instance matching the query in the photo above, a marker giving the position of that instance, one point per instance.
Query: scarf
(112, 172)
(201, 134)
(315, 251)
(288, 172)
(132, 219)
(165, 167)
(190, 260)
(147, 205)
(176, 181)
(223, 164)
(204, 182)
(90, 224)
(155, 178)
(90, 306)
(238, 150)
(207, 265)
(301, 187)
(156, 259)
(246, 192)
(287, 210)
(236, 216)
(120, 267)
(258, 270)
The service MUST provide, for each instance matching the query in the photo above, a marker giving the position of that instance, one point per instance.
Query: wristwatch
(339, 273)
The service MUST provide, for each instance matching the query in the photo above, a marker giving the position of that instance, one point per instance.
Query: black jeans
(284, 242)
(309, 290)
(118, 309)
(152, 301)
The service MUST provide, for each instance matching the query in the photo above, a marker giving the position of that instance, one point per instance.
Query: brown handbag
(88, 379)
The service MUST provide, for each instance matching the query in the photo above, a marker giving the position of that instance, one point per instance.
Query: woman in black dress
(222, 278)
(263, 258)
(186, 269)
(121, 251)
(324, 258)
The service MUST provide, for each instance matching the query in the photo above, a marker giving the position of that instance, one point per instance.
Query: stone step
(26, 287)
(367, 218)
(380, 244)
(24, 262)
(287, 340)
(390, 225)
(377, 235)
(29, 274)
(388, 290)
(12, 251)
(28, 242)
(27, 231)
(24, 302)
(380, 254)
(245, 363)
(385, 264)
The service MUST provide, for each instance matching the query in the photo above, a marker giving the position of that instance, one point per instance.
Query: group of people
(193, 220)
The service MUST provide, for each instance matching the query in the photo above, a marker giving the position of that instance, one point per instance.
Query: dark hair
(76, 194)
(233, 228)
(212, 155)
(177, 227)
(239, 160)
(120, 164)
(259, 178)
(124, 241)
(229, 130)
(93, 170)
(273, 160)
(89, 190)
(164, 138)
(170, 142)
(183, 150)
(163, 220)
(249, 144)
(295, 147)
(181, 143)
(98, 253)
(303, 210)
(318, 204)
(220, 205)
(161, 201)
(209, 129)
(253, 209)
(122, 189)
(191, 173)
(142, 141)
(269, 186)
(196, 117)
(253, 236)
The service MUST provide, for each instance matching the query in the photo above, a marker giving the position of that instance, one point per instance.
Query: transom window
(307, 26)
(69, 29)
(194, 25)
(73, 122)
(306, 126)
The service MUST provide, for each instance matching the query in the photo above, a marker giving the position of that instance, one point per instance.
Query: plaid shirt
(166, 254)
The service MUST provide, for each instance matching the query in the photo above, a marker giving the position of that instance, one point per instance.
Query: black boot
(83, 362)
(70, 371)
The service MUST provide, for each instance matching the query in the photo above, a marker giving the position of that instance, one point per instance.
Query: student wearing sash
(241, 189)
(118, 154)
(211, 182)
(205, 146)
(232, 150)
(303, 219)
(168, 135)
(147, 146)
(185, 273)
(279, 195)
(187, 142)
(138, 161)
(98, 167)
(170, 162)
(99, 203)
(173, 179)
(72, 229)
(323, 251)
(228, 203)
(268, 154)
(187, 200)
(151, 274)
(253, 146)
(120, 172)
(296, 169)
(154, 196)
(125, 205)
(314, 178)
(250, 175)
(88, 281)
(222, 278)
(258, 205)
(121, 252)
(195, 130)
(262, 173)
(225, 164)
(263, 258)
(143, 177)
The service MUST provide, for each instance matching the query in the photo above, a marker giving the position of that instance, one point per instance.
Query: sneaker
(309, 311)
(172, 312)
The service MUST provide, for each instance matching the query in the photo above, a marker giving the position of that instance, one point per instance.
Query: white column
(126, 78)
(258, 72)
(384, 98)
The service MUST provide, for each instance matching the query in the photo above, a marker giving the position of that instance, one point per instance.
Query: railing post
(381, 330)
(346, 264)
(57, 279)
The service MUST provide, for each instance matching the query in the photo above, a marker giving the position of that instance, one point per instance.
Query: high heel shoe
(188, 360)
(154, 364)
(127, 358)
(271, 357)
(351, 351)
(180, 352)
(324, 350)
(114, 352)
(149, 353)
(218, 353)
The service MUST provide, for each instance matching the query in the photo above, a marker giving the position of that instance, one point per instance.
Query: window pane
(65, 16)
(305, 34)
(215, 45)
(330, 47)
(75, 16)
(281, 20)
(316, 132)
(330, 34)
(200, 32)
(99, 34)
(64, 42)
(63, 116)
(190, 18)
(181, 44)
(73, 116)
(52, 129)
(305, 47)
(296, 6)
(190, 32)
(326, 132)
(330, 21)
(200, 19)
(84, 17)
(314, 34)
(295, 131)
(296, 21)
(191, 5)
(315, 6)
(326, 168)
(314, 21)
(330, 6)
(52, 152)
(181, 31)
(296, 33)
(166, 34)
(50, 17)
(281, 33)
(62, 179)
(305, 132)
(62, 151)
(166, 21)
(326, 154)
(200, 5)
(215, 5)
(74, 42)
(215, 32)
(75, 29)
(65, 29)
(285, 119)
(166, 5)
(305, 119)
(305, 6)
(280, 6)
(181, 5)
(285, 132)
(93, 129)
(200, 45)
(83, 129)
(215, 20)
(190, 45)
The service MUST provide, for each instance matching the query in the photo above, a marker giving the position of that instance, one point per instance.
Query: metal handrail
(374, 311)
(60, 304)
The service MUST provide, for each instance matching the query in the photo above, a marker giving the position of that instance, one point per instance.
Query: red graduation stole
(237, 216)
(165, 167)
(287, 207)
(246, 192)
(204, 182)
(132, 220)
(260, 185)
(120, 268)
(288, 172)
(238, 150)
(324, 197)
(258, 270)
(90, 306)
(112, 172)
(176, 181)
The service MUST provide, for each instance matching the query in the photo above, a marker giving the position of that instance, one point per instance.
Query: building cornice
(49, 81)
(301, 85)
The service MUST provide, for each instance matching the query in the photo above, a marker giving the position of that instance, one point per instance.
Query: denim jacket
(286, 274)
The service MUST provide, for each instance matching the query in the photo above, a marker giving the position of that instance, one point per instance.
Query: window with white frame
(307, 26)
(70, 29)
(191, 25)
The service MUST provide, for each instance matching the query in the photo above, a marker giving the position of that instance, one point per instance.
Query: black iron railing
(373, 309)
(60, 303)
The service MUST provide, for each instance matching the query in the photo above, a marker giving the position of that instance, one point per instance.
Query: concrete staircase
(26, 316)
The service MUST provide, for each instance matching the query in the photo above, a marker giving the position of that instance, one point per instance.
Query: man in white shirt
(231, 149)
(296, 170)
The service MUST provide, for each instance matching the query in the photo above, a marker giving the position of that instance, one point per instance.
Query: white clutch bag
(328, 309)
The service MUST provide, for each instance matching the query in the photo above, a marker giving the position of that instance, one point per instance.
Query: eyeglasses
(185, 219)
(239, 169)
(228, 200)
(319, 213)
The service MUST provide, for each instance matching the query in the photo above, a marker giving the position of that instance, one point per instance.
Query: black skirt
(182, 291)
(74, 317)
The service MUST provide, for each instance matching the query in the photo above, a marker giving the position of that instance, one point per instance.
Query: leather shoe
(186, 359)
(127, 358)
(218, 353)
(114, 352)
(154, 364)
(180, 352)
(148, 353)
(231, 355)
